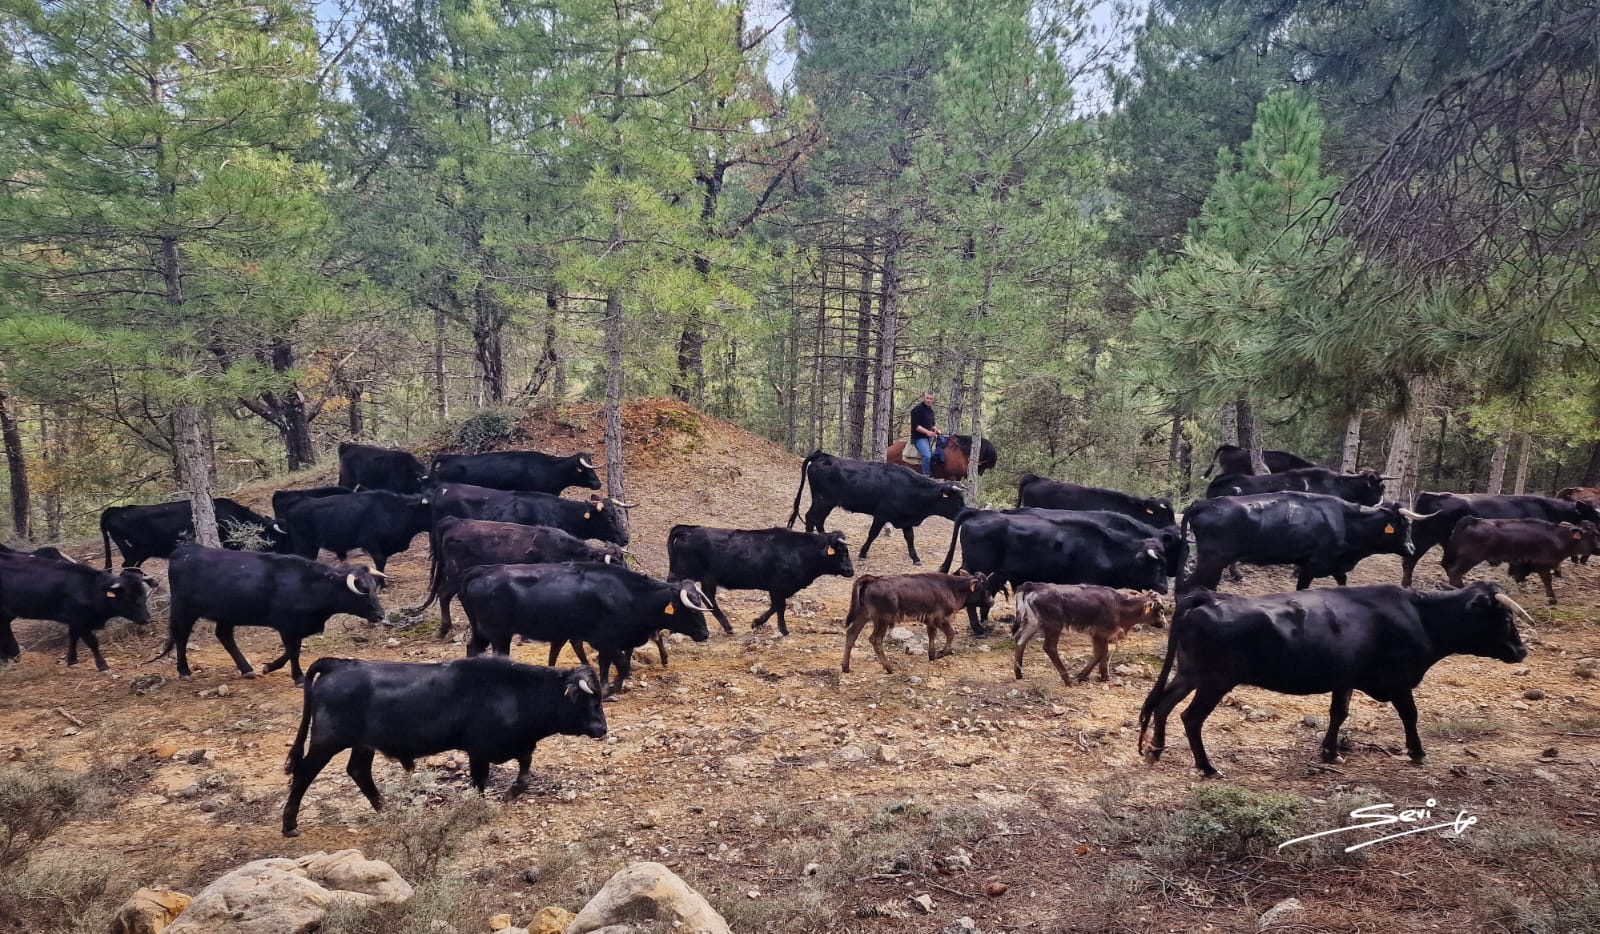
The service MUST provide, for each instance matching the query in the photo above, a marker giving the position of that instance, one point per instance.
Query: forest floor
(752, 756)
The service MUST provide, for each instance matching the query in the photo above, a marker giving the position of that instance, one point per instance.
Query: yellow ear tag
(587, 514)
(111, 595)
(670, 609)
(599, 507)
(1388, 530)
(1576, 536)
(830, 549)
(1149, 512)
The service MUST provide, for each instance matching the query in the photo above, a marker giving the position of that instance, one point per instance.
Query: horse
(955, 458)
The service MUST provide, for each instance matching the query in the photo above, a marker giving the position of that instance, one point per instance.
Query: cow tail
(805, 466)
(1159, 688)
(1025, 616)
(955, 536)
(856, 588)
(435, 570)
(297, 751)
(105, 536)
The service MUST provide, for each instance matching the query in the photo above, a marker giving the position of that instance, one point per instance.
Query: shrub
(34, 805)
(418, 841)
(1236, 821)
(483, 429)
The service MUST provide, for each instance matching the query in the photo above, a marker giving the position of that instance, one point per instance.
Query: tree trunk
(1497, 464)
(53, 442)
(975, 449)
(17, 469)
(197, 474)
(358, 420)
(958, 390)
(1525, 450)
(441, 387)
(1175, 479)
(888, 345)
(1228, 425)
(488, 326)
(1352, 443)
(616, 487)
(1404, 441)
(861, 364)
(690, 383)
(1250, 434)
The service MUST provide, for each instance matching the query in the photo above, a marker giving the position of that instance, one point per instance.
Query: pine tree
(156, 225)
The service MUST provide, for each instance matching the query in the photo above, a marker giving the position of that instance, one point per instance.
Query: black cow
(778, 561)
(376, 521)
(1322, 536)
(1044, 493)
(145, 532)
(38, 586)
(1364, 488)
(528, 471)
(45, 551)
(466, 543)
(288, 593)
(595, 517)
(285, 500)
(1444, 510)
(1230, 458)
(1174, 546)
(491, 708)
(1379, 640)
(606, 605)
(889, 493)
(1061, 548)
(364, 467)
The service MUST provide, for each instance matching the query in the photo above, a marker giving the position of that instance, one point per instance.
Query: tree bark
(197, 474)
(861, 363)
(1405, 439)
(53, 442)
(1228, 425)
(17, 470)
(1524, 451)
(888, 345)
(1497, 463)
(1591, 473)
(958, 390)
(1352, 443)
(616, 486)
(441, 386)
(357, 416)
(1250, 434)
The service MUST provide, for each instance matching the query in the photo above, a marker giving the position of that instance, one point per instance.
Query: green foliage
(483, 430)
(1237, 821)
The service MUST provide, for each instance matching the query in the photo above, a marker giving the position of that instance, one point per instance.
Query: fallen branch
(70, 718)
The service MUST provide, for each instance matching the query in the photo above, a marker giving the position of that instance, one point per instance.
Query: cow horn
(1387, 477)
(1413, 516)
(277, 527)
(1511, 605)
(350, 581)
(585, 686)
(584, 461)
(619, 502)
(1153, 553)
(379, 575)
(694, 601)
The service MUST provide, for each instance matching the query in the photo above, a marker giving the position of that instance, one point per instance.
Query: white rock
(923, 903)
(901, 634)
(281, 896)
(648, 892)
(1276, 913)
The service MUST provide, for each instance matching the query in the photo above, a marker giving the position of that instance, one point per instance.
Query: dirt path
(752, 756)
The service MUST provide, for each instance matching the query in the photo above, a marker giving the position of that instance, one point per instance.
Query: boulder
(147, 911)
(351, 871)
(647, 892)
(284, 896)
(550, 920)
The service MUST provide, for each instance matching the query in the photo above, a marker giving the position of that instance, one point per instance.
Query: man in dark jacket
(924, 431)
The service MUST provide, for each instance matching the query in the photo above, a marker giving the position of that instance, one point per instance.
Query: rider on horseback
(924, 431)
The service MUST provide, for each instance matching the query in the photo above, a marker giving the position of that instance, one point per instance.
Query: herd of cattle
(524, 561)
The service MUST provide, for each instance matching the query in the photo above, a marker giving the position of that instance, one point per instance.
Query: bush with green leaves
(484, 429)
(1237, 821)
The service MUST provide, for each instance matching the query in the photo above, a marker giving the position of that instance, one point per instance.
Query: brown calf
(928, 597)
(1106, 614)
(1582, 494)
(1525, 545)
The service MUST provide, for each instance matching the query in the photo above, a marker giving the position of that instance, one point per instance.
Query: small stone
(901, 634)
(223, 690)
(1533, 694)
(923, 903)
(1549, 753)
(165, 750)
(960, 859)
(70, 731)
(812, 869)
(647, 820)
(532, 874)
(851, 754)
(887, 753)
(1125, 670)
(1277, 912)
(1311, 721)
(753, 893)
(148, 911)
(189, 791)
(996, 889)
(499, 922)
(569, 796)
(1519, 705)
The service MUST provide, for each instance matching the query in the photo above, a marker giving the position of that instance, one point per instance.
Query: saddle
(912, 457)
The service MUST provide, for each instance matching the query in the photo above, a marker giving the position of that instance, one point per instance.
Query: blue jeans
(925, 448)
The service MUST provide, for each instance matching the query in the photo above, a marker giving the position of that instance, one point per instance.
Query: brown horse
(955, 458)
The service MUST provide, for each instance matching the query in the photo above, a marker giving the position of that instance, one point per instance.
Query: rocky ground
(798, 798)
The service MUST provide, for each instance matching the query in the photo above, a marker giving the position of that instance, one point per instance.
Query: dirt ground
(752, 755)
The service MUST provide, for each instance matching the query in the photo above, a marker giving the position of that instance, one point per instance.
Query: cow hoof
(248, 675)
(1419, 760)
(1210, 773)
(612, 698)
(916, 564)
(291, 831)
